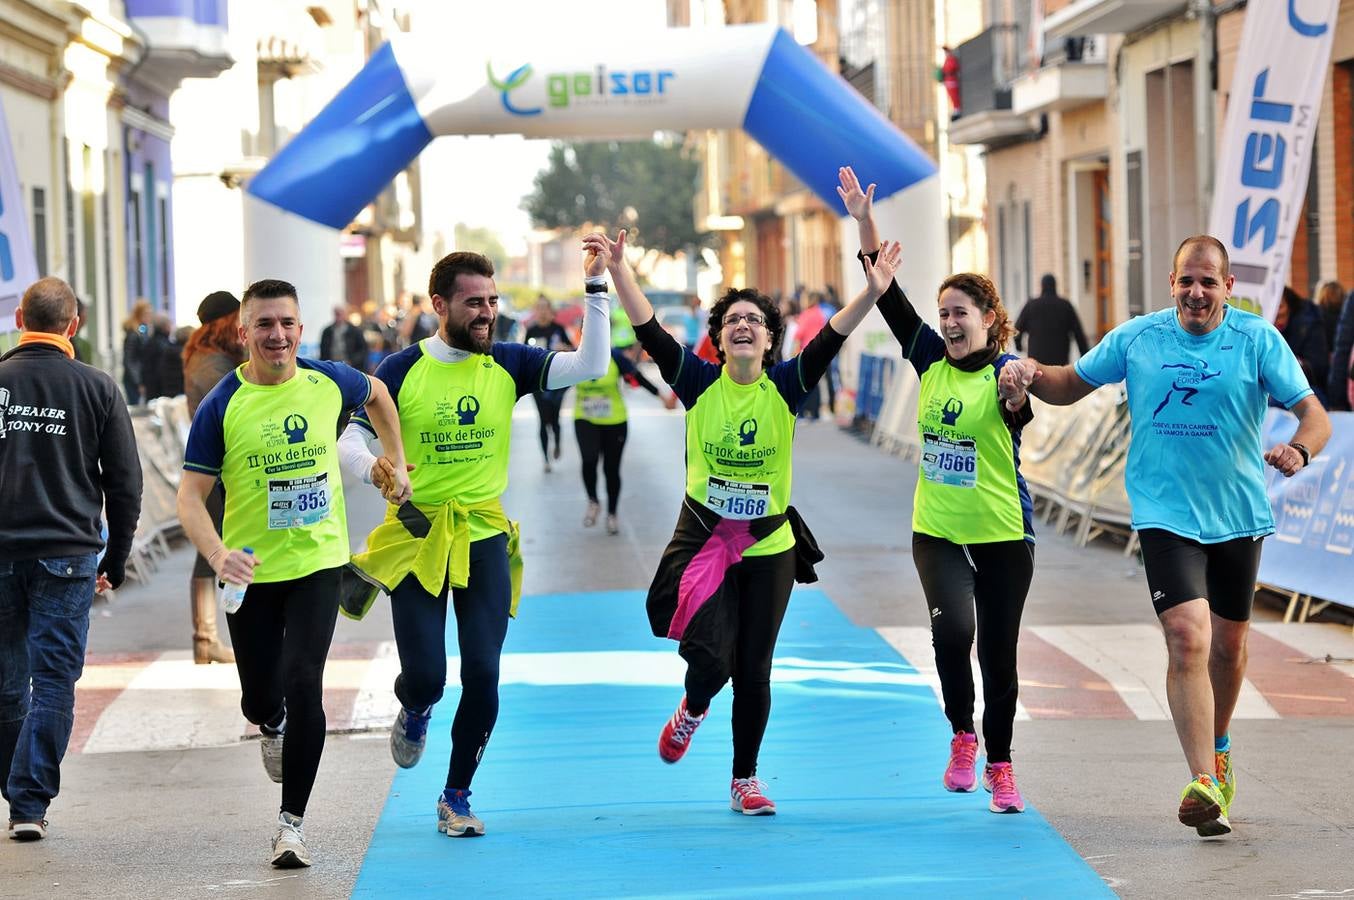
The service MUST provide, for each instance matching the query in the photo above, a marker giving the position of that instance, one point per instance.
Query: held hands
(858, 203)
(603, 254)
(1014, 381)
(391, 481)
(879, 274)
(234, 566)
(1285, 458)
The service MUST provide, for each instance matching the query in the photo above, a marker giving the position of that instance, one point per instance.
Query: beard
(462, 338)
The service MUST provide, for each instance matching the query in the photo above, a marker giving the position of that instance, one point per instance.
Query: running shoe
(612, 525)
(408, 737)
(289, 844)
(454, 818)
(676, 736)
(961, 774)
(547, 466)
(746, 797)
(1222, 771)
(271, 749)
(1201, 807)
(27, 829)
(590, 517)
(999, 778)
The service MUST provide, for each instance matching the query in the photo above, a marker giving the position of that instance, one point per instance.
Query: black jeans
(281, 637)
(481, 626)
(991, 580)
(762, 593)
(608, 443)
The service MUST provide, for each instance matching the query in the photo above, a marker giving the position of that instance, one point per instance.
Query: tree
(481, 240)
(646, 186)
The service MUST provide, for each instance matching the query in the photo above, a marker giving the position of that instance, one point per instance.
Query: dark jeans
(988, 582)
(44, 621)
(281, 637)
(548, 405)
(606, 442)
(762, 587)
(420, 622)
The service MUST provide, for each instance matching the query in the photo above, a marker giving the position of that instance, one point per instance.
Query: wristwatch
(595, 287)
(1302, 449)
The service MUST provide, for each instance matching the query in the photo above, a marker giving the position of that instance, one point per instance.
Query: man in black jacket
(1050, 323)
(67, 456)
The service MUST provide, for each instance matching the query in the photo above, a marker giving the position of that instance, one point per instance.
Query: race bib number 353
(949, 462)
(298, 502)
(737, 499)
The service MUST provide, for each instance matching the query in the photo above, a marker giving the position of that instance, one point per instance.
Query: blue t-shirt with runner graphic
(1196, 465)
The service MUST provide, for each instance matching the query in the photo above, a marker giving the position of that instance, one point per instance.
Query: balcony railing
(988, 64)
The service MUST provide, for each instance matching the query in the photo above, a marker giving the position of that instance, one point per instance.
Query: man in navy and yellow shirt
(455, 392)
(267, 431)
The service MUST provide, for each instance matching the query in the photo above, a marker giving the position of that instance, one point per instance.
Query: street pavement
(163, 794)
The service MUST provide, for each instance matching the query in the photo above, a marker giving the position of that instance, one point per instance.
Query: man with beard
(268, 432)
(1197, 374)
(455, 391)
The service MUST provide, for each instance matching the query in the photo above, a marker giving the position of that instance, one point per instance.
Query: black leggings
(608, 442)
(420, 622)
(548, 404)
(281, 637)
(761, 586)
(993, 579)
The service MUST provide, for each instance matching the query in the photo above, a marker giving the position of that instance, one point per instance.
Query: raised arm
(590, 360)
(878, 277)
(860, 204)
(610, 256)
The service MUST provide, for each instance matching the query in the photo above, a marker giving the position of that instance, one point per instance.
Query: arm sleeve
(628, 368)
(686, 373)
(354, 386)
(921, 345)
(356, 449)
(1107, 362)
(1280, 374)
(590, 359)
(798, 375)
(206, 448)
(120, 466)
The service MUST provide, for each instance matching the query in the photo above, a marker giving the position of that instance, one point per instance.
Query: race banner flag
(18, 266)
(1267, 143)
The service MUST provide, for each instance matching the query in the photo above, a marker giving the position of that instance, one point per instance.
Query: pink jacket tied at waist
(706, 571)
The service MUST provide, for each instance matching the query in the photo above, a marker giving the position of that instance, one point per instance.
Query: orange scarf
(52, 340)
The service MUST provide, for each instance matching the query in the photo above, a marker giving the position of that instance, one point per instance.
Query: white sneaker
(289, 845)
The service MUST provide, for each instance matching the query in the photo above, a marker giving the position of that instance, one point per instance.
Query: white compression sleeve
(355, 447)
(594, 347)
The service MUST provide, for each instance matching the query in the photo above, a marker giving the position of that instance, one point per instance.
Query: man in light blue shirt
(1198, 377)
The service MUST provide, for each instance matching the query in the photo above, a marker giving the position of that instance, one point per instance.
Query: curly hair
(983, 293)
(220, 335)
(775, 326)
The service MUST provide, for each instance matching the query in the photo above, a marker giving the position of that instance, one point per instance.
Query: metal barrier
(161, 430)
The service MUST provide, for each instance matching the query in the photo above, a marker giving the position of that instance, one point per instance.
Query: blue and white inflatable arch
(754, 77)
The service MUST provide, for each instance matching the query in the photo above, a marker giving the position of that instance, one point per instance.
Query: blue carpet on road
(576, 802)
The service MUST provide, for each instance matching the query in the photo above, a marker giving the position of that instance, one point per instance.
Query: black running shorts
(1181, 569)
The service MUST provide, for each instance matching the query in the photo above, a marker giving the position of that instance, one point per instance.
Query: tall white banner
(18, 266)
(1267, 142)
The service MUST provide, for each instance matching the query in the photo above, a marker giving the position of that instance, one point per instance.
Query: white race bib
(949, 462)
(597, 407)
(737, 499)
(298, 502)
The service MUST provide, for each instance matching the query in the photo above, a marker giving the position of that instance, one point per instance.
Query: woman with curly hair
(972, 519)
(724, 581)
(212, 353)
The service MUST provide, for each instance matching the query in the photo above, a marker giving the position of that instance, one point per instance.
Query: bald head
(48, 305)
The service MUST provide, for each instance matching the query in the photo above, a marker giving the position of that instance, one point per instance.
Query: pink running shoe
(746, 797)
(676, 736)
(999, 778)
(962, 772)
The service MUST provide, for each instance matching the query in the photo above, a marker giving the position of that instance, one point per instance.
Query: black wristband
(1302, 449)
(599, 288)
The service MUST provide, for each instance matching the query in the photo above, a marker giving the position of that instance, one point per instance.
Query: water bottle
(232, 594)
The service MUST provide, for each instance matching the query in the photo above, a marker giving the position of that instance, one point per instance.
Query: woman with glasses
(972, 528)
(724, 581)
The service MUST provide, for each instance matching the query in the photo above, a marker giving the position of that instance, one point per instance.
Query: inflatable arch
(754, 77)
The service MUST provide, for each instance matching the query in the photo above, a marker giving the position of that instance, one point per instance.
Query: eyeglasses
(732, 319)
